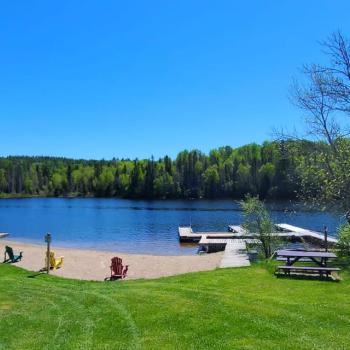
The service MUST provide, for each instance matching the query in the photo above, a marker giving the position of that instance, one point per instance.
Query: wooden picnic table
(320, 258)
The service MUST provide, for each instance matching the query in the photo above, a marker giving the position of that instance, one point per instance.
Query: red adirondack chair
(118, 270)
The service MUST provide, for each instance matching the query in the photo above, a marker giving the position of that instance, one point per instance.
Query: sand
(94, 265)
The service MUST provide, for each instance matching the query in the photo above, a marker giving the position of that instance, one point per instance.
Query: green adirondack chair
(11, 257)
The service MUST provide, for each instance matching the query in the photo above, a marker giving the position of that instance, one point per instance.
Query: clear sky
(103, 79)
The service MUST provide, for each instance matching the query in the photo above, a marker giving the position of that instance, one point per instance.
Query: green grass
(246, 308)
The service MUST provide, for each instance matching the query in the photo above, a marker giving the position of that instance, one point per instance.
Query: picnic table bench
(321, 270)
(319, 258)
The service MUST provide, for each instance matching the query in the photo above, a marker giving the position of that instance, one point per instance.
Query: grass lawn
(245, 308)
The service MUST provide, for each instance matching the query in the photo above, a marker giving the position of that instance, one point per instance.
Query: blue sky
(103, 79)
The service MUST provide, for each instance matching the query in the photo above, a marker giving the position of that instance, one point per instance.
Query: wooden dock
(186, 234)
(237, 229)
(233, 243)
(235, 251)
(287, 231)
(235, 254)
(294, 231)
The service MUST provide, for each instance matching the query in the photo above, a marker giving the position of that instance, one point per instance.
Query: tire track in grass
(43, 291)
(127, 316)
(29, 297)
(121, 310)
(86, 323)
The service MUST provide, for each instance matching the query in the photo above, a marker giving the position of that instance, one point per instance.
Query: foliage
(324, 177)
(266, 170)
(245, 308)
(324, 97)
(257, 220)
(344, 241)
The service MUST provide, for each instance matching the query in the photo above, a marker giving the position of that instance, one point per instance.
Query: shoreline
(62, 246)
(90, 264)
(91, 196)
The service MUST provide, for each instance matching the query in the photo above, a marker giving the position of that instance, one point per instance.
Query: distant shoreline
(24, 196)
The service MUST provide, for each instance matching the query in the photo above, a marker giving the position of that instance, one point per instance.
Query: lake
(135, 226)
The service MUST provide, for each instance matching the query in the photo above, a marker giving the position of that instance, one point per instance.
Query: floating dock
(234, 242)
(237, 229)
(235, 250)
(285, 231)
(304, 234)
(186, 234)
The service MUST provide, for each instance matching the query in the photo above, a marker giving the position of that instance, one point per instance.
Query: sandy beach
(94, 265)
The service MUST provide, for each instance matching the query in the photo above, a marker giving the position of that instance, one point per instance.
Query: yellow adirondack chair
(55, 263)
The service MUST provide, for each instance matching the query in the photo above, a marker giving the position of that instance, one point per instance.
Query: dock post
(48, 241)
(326, 238)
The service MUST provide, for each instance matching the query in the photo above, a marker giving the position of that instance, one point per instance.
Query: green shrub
(344, 241)
(257, 220)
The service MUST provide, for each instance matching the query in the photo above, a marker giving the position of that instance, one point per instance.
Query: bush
(257, 220)
(344, 241)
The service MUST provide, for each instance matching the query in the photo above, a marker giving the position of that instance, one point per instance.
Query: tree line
(270, 170)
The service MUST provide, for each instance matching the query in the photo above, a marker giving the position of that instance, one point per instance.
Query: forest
(270, 170)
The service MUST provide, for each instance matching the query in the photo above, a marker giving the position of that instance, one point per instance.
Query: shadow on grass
(35, 275)
(308, 277)
(39, 273)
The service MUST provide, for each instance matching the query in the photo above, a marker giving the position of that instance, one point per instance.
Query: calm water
(134, 225)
